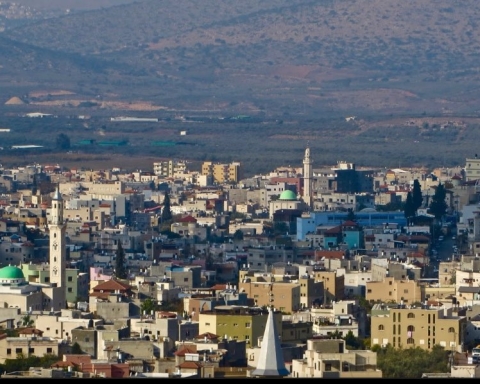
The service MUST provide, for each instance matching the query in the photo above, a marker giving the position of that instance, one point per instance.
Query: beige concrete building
(60, 325)
(223, 173)
(391, 290)
(287, 295)
(472, 168)
(331, 359)
(333, 283)
(423, 327)
(27, 345)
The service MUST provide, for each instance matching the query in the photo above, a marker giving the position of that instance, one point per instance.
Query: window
(410, 328)
(70, 289)
(70, 278)
(207, 324)
(31, 350)
(328, 367)
(451, 330)
(248, 325)
(411, 316)
(9, 351)
(49, 350)
(87, 340)
(380, 327)
(18, 350)
(410, 341)
(185, 279)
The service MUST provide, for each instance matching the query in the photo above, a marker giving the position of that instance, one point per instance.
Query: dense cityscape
(308, 271)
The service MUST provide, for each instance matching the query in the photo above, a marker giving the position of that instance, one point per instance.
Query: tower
(57, 241)
(270, 362)
(307, 178)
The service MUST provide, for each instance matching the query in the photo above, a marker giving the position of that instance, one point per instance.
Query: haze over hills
(406, 69)
(71, 4)
(348, 55)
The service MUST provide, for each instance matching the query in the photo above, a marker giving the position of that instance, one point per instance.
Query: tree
(353, 342)
(27, 321)
(238, 235)
(410, 363)
(76, 349)
(438, 206)
(417, 198)
(409, 208)
(148, 306)
(166, 210)
(62, 141)
(120, 270)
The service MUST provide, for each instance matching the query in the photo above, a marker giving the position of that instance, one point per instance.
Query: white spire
(270, 361)
(57, 195)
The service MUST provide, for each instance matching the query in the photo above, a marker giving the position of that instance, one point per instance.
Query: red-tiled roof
(190, 365)
(219, 287)
(329, 254)
(187, 219)
(63, 364)
(184, 350)
(112, 285)
(30, 331)
(349, 223)
(334, 230)
(208, 335)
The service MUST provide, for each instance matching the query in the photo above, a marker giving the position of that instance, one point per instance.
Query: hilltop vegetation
(408, 70)
(399, 55)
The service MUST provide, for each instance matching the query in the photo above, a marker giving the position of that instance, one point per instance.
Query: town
(311, 271)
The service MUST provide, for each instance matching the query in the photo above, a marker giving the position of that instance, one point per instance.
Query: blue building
(365, 218)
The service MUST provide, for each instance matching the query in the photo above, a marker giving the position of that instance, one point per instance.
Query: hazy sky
(72, 4)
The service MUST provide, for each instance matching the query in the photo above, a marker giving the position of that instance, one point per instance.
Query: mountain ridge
(267, 53)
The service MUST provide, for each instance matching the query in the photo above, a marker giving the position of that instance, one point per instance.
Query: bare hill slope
(389, 55)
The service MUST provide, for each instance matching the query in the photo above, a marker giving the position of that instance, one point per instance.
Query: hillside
(388, 56)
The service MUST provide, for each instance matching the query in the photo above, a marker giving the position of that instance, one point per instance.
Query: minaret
(307, 178)
(270, 361)
(57, 241)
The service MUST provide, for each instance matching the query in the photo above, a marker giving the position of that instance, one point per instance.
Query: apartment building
(472, 168)
(283, 295)
(286, 293)
(390, 289)
(30, 343)
(237, 323)
(424, 326)
(331, 359)
(169, 168)
(223, 173)
(333, 284)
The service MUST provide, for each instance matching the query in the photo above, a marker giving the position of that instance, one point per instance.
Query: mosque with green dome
(287, 200)
(17, 292)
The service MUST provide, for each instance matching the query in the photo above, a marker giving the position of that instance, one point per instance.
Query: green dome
(288, 195)
(11, 272)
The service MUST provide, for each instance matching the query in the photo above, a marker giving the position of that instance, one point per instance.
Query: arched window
(410, 328)
(380, 327)
(410, 341)
(451, 330)
(411, 315)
